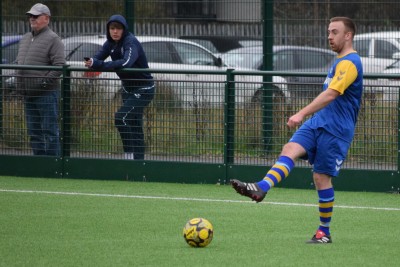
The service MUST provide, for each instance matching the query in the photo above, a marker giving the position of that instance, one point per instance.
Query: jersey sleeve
(345, 74)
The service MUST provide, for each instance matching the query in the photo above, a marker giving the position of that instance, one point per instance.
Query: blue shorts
(325, 151)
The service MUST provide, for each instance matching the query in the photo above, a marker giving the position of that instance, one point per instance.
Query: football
(198, 232)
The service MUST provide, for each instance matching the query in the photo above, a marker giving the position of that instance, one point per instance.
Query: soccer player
(323, 139)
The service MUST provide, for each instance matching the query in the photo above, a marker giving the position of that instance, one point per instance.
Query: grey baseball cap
(39, 9)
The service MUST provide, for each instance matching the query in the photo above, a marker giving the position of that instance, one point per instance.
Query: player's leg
(330, 156)
(48, 108)
(300, 145)
(326, 198)
(129, 121)
(279, 171)
(141, 99)
(283, 166)
(33, 121)
(124, 128)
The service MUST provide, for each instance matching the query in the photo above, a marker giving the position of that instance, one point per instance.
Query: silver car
(377, 49)
(284, 57)
(288, 58)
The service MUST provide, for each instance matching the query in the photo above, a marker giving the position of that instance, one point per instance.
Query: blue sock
(277, 173)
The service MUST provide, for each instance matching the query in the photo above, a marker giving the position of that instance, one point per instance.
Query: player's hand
(295, 120)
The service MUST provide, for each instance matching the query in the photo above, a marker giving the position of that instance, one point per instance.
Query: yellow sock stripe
(282, 168)
(326, 205)
(325, 214)
(276, 175)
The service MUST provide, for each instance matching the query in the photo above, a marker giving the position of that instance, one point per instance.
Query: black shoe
(251, 190)
(320, 238)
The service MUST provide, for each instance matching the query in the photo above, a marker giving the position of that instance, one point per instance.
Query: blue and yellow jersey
(340, 116)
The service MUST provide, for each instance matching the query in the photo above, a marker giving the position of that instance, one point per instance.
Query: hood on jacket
(120, 19)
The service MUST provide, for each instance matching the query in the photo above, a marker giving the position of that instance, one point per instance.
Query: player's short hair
(348, 23)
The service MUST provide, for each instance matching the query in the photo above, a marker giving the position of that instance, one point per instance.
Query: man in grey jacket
(40, 88)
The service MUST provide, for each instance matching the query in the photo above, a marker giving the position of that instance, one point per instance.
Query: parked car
(285, 58)
(288, 58)
(394, 67)
(9, 48)
(222, 44)
(174, 54)
(9, 51)
(377, 49)
(389, 88)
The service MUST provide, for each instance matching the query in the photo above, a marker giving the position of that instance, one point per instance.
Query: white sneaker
(129, 156)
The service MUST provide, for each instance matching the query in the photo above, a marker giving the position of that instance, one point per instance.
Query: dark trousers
(129, 120)
(41, 114)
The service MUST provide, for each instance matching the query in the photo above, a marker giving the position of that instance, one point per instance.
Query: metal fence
(188, 120)
(215, 125)
(213, 120)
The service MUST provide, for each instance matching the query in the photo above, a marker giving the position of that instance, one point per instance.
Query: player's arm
(321, 101)
(345, 74)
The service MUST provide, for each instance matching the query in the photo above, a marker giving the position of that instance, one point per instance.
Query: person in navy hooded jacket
(137, 87)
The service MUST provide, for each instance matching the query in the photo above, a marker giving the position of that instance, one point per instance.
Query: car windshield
(207, 44)
(194, 55)
(247, 59)
(76, 51)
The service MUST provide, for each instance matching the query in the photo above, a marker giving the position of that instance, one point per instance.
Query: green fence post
(65, 103)
(229, 118)
(398, 133)
(129, 13)
(1, 74)
(268, 41)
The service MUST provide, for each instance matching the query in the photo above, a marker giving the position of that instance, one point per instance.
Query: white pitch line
(189, 199)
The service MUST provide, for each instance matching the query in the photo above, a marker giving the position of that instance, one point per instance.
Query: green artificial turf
(60, 222)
